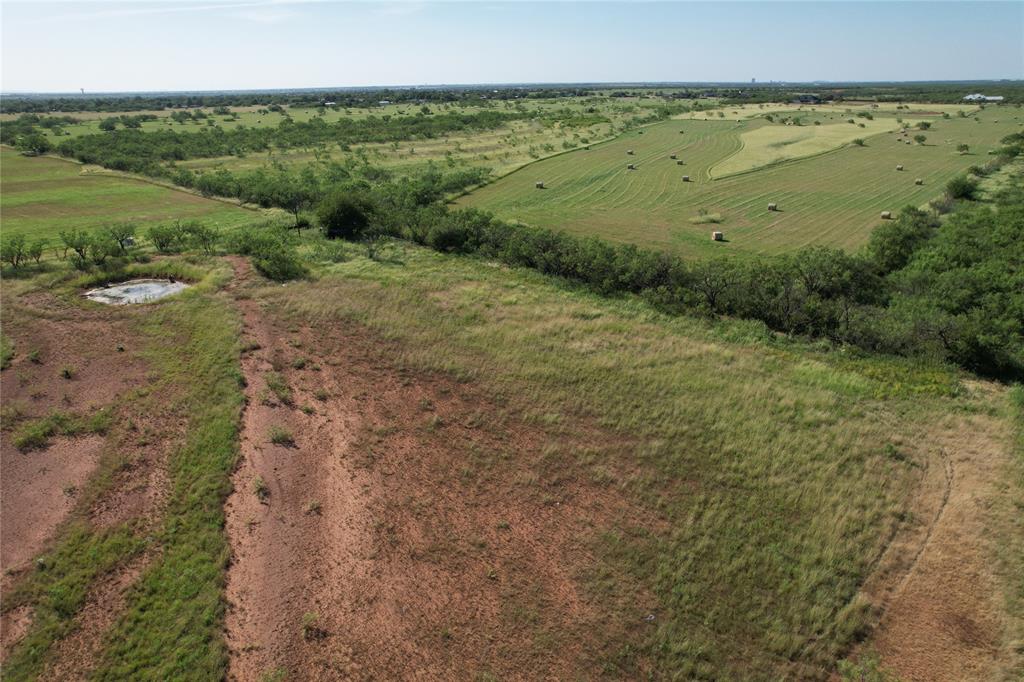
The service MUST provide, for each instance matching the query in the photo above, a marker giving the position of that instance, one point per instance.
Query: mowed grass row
(42, 196)
(775, 473)
(833, 199)
(501, 150)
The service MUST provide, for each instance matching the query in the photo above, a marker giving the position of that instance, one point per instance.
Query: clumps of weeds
(249, 346)
(36, 434)
(275, 675)
(281, 436)
(894, 453)
(307, 409)
(34, 357)
(310, 630)
(434, 423)
(300, 363)
(314, 508)
(321, 394)
(279, 387)
(11, 412)
(260, 489)
(426, 405)
(67, 372)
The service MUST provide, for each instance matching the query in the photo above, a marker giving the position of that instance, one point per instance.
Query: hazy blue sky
(220, 44)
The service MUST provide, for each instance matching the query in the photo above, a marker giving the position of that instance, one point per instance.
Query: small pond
(135, 291)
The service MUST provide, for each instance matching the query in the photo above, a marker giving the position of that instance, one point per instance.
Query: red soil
(399, 538)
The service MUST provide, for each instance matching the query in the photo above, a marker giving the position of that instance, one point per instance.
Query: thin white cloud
(399, 9)
(264, 11)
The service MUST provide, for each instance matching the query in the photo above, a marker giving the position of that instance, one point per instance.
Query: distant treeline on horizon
(935, 91)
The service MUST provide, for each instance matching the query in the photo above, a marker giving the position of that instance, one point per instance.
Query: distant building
(808, 99)
(384, 102)
(978, 97)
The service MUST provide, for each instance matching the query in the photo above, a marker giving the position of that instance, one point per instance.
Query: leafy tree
(35, 250)
(12, 250)
(123, 234)
(166, 238)
(200, 235)
(920, 139)
(345, 215)
(923, 125)
(33, 143)
(102, 247)
(78, 241)
(963, 148)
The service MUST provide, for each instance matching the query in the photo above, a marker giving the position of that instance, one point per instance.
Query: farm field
(825, 110)
(42, 196)
(372, 436)
(832, 199)
(501, 150)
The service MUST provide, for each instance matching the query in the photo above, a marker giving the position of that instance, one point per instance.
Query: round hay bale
(629, 152)
(679, 163)
(773, 207)
(717, 237)
(672, 156)
(686, 178)
(918, 181)
(886, 215)
(540, 185)
(899, 167)
(631, 167)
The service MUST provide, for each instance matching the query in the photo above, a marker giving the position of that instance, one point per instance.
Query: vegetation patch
(36, 435)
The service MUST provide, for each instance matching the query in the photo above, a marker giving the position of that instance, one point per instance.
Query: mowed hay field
(833, 198)
(44, 195)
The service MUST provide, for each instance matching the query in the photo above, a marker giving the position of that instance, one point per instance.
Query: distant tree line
(935, 92)
(348, 98)
(148, 152)
(951, 289)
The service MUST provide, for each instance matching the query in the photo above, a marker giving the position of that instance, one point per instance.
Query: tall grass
(768, 462)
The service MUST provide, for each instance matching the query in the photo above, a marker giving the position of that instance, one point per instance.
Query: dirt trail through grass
(942, 619)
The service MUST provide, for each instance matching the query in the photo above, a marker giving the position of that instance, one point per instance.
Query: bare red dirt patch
(414, 529)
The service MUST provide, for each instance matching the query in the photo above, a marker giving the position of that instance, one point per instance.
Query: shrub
(281, 436)
(280, 264)
(344, 215)
(13, 250)
(962, 187)
(165, 238)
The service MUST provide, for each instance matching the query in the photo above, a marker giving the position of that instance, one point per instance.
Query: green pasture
(833, 198)
(763, 467)
(40, 196)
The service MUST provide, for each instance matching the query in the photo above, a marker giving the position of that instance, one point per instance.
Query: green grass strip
(172, 628)
(58, 590)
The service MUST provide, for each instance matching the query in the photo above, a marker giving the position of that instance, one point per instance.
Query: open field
(396, 457)
(833, 199)
(42, 196)
(826, 110)
(770, 144)
(563, 472)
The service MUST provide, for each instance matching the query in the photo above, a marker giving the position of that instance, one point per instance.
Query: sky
(126, 45)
